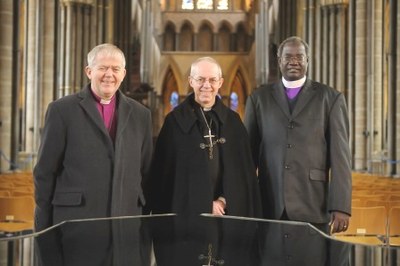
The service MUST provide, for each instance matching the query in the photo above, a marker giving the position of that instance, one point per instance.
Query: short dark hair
(292, 40)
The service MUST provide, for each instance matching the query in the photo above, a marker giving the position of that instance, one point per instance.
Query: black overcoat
(180, 180)
(180, 183)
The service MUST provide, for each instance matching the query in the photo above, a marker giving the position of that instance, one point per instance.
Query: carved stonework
(82, 2)
(334, 2)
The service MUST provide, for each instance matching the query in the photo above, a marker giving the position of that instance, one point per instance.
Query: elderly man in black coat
(202, 162)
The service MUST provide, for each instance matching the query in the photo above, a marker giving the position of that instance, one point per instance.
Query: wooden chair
(17, 209)
(394, 226)
(21, 192)
(356, 203)
(368, 225)
(394, 197)
(5, 193)
(388, 204)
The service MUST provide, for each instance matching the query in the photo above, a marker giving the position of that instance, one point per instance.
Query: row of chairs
(375, 211)
(16, 202)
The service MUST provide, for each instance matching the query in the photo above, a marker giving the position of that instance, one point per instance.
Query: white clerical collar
(293, 84)
(103, 101)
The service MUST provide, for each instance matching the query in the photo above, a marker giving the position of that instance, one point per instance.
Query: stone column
(360, 130)
(6, 28)
(332, 49)
(33, 53)
(377, 82)
(340, 83)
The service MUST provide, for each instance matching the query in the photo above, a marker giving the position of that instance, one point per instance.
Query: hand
(218, 207)
(339, 222)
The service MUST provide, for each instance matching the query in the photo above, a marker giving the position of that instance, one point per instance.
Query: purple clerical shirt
(107, 113)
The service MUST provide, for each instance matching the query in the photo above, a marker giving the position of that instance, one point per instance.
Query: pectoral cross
(209, 258)
(210, 144)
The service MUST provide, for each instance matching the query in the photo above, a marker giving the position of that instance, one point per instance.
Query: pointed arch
(237, 95)
(170, 87)
(241, 37)
(186, 37)
(205, 37)
(224, 39)
(169, 37)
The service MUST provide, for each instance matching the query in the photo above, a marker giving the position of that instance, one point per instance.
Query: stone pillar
(82, 26)
(317, 56)
(6, 28)
(311, 36)
(377, 82)
(33, 53)
(360, 130)
(394, 90)
(324, 44)
(332, 49)
(340, 44)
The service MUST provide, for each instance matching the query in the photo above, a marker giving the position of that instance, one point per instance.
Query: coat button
(290, 125)
(289, 146)
(287, 166)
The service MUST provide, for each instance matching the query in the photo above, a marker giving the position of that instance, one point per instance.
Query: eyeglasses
(295, 58)
(115, 69)
(201, 81)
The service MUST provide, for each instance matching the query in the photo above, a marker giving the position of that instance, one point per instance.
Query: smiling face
(205, 79)
(293, 61)
(106, 73)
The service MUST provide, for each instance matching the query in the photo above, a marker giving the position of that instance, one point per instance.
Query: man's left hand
(339, 222)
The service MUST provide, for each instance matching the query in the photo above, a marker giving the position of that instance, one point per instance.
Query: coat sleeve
(340, 158)
(147, 150)
(158, 188)
(252, 127)
(49, 165)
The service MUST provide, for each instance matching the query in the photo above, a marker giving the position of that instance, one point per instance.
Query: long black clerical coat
(180, 183)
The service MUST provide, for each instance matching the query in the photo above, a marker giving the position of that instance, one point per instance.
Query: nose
(207, 83)
(109, 71)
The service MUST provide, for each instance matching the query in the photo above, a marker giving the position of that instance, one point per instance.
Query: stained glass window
(187, 4)
(174, 99)
(204, 4)
(222, 5)
(234, 101)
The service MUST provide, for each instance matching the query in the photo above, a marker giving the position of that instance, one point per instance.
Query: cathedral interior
(354, 48)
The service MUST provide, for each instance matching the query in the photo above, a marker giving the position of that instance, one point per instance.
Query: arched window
(222, 5)
(187, 4)
(174, 100)
(205, 4)
(234, 101)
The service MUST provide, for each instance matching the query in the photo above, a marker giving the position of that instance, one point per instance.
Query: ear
(88, 72)
(221, 81)
(190, 80)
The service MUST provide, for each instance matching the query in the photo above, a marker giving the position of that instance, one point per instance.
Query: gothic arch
(169, 86)
(169, 37)
(224, 40)
(241, 38)
(186, 37)
(238, 87)
(205, 38)
(226, 24)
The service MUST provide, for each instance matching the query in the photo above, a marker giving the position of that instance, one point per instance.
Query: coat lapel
(185, 116)
(278, 93)
(89, 105)
(123, 114)
(304, 97)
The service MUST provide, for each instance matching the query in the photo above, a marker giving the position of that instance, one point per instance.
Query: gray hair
(292, 40)
(207, 59)
(106, 49)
